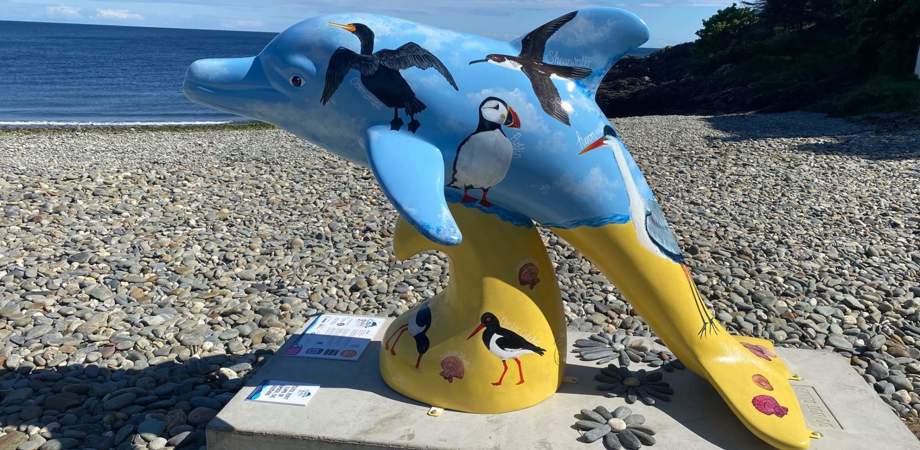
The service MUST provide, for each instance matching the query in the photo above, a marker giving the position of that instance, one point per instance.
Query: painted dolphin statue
(511, 129)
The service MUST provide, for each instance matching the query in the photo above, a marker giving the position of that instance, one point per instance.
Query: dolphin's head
(281, 85)
(250, 87)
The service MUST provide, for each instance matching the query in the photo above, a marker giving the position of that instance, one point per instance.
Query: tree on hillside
(886, 34)
(725, 27)
(795, 14)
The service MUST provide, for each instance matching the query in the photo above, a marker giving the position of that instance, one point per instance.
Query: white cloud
(243, 24)
(62, 11)
(117, 14)
(595, 185)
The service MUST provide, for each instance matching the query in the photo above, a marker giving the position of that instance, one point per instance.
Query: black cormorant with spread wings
(530, 61)
(380, 72)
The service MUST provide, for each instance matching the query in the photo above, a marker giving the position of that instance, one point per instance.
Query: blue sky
(671, 21)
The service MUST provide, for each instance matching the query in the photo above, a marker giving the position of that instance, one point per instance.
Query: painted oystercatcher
(419, 322)
(483, 158)
(380, 72)
(530, 61)
(504, 344)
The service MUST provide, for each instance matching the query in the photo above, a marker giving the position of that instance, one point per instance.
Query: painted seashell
(762, 381)
(452, 367)
(760, 351)
(528, 275)
(769, 406)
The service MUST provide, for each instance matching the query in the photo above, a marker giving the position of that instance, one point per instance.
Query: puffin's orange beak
(478, 329)
(592, 146)
(350, 27)
(512, 121)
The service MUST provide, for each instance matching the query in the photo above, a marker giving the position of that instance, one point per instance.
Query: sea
(65, 74)
(55, 74)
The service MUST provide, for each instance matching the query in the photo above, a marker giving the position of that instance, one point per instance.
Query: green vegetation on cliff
(839, 56)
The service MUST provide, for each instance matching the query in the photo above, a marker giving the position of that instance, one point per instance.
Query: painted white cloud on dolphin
(596, 185)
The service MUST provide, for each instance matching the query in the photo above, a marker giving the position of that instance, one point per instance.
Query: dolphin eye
(296, 81)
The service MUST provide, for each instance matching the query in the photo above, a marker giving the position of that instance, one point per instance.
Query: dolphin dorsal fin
(411, 173)
(591, 38)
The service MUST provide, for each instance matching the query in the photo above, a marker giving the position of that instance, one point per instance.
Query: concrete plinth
(354, 409)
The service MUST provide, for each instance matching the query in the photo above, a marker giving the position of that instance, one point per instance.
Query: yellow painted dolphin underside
(500, 269)
(745, 371)
(486, 276)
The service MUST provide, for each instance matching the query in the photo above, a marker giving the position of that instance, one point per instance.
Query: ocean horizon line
(81, 24)
(106, 124)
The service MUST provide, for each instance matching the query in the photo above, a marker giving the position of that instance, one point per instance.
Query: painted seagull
(483, 158)
(530, 61)
(380, 72)
(651, 226)
(504, 344)
(418, 325)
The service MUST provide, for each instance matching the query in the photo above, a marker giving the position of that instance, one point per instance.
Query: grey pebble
(34, 442)
(594, 434)
(119, 401)
(157, 444)
(201, 415)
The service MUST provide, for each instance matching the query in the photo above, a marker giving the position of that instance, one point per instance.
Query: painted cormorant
(380, 72)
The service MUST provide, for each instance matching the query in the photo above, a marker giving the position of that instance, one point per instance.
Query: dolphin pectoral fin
(411, 173)
(747, 375)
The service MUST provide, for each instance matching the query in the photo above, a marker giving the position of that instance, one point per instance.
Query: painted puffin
(530, 61)
(419, 322)
(483, 158)
(651, 226)
(380, 72)
(504, 344)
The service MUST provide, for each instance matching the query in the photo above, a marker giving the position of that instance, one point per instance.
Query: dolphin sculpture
(568, 171)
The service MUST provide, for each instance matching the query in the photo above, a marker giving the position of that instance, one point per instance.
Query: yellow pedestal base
(434, 356)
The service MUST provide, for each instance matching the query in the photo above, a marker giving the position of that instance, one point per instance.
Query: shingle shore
(143, 273)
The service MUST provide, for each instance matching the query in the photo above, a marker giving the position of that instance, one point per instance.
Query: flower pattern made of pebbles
(605, 347)
(639, 385)
(664, 359)
(619, 429)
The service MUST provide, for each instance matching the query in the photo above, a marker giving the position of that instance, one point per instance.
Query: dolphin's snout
(224, 73)
(231, 84)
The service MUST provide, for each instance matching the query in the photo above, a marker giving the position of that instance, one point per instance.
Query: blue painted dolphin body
(517, 123)
(546, 181)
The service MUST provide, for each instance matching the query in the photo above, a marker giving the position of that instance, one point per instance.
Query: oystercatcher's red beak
(592, 146)
(478, 329)
(512, 121)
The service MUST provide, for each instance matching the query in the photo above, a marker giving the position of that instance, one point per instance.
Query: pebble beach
(145, 273)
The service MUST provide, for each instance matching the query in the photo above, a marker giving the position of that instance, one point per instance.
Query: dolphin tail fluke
(745, 372)
(768, 349)
(590, 38)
